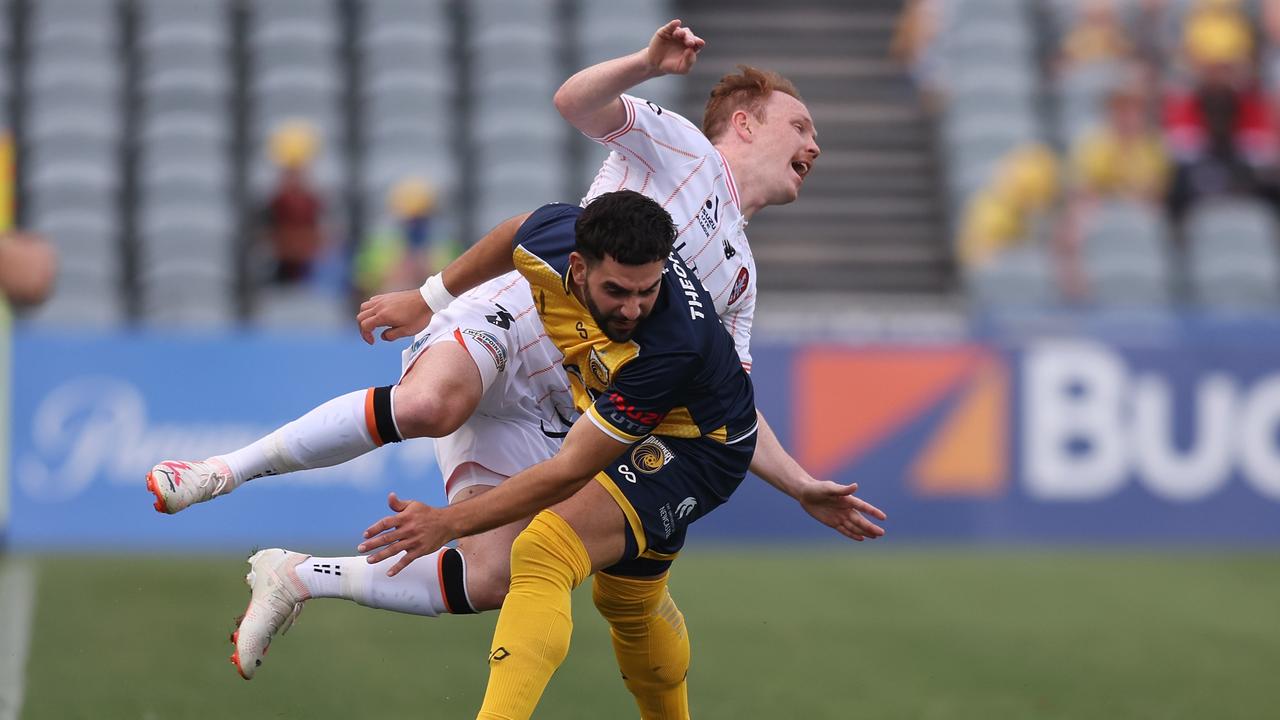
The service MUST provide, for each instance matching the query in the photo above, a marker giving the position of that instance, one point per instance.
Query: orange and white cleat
(178, 484)
(276, 601)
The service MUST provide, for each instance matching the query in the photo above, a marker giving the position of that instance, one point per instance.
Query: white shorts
(526, 406)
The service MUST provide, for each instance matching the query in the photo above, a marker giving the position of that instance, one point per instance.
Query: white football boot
(178, 484)
(275, 603)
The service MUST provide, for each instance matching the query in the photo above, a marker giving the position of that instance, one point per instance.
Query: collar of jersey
(729, 180)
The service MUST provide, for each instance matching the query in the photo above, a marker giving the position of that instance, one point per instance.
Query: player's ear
(742, 124)
(578, 266)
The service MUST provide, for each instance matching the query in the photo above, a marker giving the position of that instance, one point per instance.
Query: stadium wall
(1155, 437)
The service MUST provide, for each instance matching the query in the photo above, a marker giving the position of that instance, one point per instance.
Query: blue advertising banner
(92, 414)
(1080, 439)
(1051, 440)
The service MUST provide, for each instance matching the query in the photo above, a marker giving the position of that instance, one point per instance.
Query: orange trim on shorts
(370, 422)
(444, 596)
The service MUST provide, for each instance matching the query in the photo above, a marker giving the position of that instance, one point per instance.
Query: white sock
(331, 434)
(416, 590)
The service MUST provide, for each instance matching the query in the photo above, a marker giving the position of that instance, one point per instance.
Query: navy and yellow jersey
(678, 375)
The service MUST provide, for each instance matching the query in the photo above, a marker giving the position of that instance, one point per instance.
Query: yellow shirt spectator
(1104, 163)
(1024, 187)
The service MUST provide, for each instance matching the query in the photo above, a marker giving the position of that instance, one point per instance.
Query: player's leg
(470, 578)
(559, 549)
(649, 640)
(436, 395)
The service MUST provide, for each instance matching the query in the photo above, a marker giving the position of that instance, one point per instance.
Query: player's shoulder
(646, 113)
(548, 232)
(683, 314)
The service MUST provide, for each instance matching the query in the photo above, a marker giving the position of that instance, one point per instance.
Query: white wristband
(435, 294)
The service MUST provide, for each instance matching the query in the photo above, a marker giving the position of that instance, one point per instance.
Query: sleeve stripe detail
(684, 182)
(607, 429)
(532, 342)
(672, 148)
(632, 154)
(626, 127)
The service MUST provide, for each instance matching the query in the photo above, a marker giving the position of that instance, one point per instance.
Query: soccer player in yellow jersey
(667, 432)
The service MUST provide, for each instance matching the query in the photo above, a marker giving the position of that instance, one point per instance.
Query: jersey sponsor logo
(599, 370)
(685, 507)
(417, 344)
(499, 654)
(651, 455)
(709, 218)
(668, 522)
(632, 417)
(502, 318)
(490, 343)
(690, 290)
(740, 284)
(657, 109)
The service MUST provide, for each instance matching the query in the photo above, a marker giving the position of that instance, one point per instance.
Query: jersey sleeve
(655, 136)
(542, 244)
(642, 393)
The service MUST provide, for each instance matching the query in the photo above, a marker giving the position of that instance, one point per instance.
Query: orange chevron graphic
(968, 456)
(848, 400)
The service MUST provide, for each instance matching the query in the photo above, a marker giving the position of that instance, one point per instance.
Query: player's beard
(605, 322)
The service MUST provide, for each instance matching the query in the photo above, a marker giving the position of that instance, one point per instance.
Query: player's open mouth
(800, 168)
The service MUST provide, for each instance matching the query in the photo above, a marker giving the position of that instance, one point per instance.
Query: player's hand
(835, 506)
(673, 49)
(415, 530)
(403, 314)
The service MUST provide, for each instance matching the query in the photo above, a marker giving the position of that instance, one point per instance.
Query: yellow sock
(548, 561)
(650, 642)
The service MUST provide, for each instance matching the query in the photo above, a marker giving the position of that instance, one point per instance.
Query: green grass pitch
(826, 632)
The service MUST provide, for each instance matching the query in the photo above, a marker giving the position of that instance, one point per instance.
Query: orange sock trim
(371, 422)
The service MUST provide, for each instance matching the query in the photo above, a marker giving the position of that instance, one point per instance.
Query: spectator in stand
(405, 252)
(294, 210)
(1123, 159)
(28, 266)
(1221, 130)
(1013, 208)
(915, 45)
(1097, 36)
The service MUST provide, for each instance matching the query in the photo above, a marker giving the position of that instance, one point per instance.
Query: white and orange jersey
(662, 155)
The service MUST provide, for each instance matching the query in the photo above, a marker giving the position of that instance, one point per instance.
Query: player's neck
(740, 168)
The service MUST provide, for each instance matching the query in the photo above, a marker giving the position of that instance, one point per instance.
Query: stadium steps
(870, 219)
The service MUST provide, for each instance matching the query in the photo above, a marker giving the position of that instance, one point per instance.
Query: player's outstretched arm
(590, 99)
(830, 503)
(418, 529)
(406, 312)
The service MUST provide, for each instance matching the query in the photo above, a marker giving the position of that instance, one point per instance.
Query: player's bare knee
(487, 584)
(427, 411)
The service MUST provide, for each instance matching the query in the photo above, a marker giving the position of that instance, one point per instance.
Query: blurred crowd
(401, 250)
(1163, 107)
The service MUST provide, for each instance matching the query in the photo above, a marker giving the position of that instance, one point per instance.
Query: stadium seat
(1232, 258)
(1125, 253)
(297, 308)
(1019, 277)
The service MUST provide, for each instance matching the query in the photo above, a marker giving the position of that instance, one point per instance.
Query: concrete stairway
(869, 219)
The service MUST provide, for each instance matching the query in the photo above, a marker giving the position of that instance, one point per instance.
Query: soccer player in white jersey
(483, 372)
